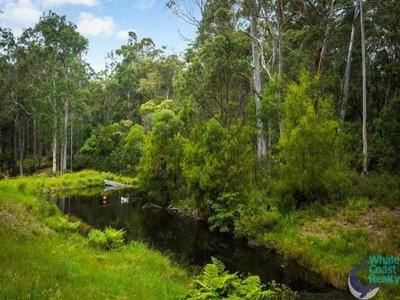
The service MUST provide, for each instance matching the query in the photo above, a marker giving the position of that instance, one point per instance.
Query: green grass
(42, 256)
(42, 183)
(331, 239)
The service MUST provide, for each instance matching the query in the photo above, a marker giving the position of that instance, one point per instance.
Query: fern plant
(108, 239)
(216, 283)
(114, 237)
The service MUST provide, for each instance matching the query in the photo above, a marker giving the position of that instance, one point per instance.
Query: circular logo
(361, 291)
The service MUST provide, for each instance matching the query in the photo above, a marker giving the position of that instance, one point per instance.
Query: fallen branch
(151, 205)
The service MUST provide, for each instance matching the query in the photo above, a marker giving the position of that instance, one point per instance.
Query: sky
(105, 23)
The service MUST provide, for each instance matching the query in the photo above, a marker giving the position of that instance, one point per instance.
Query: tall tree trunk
(326, 37)
(34, 146)
(54, 146)
(40, 146)
(269, 140)
(280, 63)
(364, 88)
(15, 146)
(65, 138)
(21, 148)
(261, 143)
(346, 78)
(323, 16)
(26, 138)
(280, 28)
(71, 143)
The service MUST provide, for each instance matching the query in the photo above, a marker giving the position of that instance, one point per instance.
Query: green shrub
(97, 239)
(383, 188)
(218, 161)
(259, 214)
(216, 283)
(83, 227)
(73, 226)
(108, 239)
(224, 212)
(251, 225)
(115, 238)
(309, 149)
(284, 292)
(159, 169)
(46, 209)
(61, 224)
(284, 199)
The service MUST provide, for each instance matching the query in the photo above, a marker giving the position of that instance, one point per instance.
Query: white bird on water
(124, 200)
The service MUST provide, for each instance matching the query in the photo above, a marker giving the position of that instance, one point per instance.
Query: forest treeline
(265, 102)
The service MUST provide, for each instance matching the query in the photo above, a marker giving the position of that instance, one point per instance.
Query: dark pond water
(191, 242)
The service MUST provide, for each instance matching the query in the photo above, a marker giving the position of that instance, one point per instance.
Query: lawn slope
(42, 256)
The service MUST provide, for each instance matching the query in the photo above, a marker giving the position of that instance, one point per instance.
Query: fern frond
(220, 266)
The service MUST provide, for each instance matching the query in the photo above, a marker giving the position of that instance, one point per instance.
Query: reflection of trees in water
(171, 232)
(187, 240)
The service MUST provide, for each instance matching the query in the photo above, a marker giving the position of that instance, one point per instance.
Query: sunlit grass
(42, 256)
(41, 183)
(331, 240)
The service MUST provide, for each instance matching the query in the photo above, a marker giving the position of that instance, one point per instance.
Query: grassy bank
(43, 255)
(330, 238)
(42, 183)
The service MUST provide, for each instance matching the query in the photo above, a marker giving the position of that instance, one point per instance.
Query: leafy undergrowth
(42, 256)
(331, 239)
(216, 283)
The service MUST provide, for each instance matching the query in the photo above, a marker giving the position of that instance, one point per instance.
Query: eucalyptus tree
(144, 73)
(62, 48)
(7, 151)
(14, 92)
(346, 77)
(364, 93)
(255, 9)
(218, 73)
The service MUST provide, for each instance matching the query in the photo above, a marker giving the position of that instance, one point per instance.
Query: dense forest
(268, 92)
(278, 114)
(269, 96)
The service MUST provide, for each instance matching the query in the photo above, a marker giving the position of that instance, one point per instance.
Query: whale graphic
(361, 291)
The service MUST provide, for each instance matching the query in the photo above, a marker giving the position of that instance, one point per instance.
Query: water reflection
(191, 241)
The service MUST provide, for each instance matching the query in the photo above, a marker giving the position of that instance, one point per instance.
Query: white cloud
(124, 34)
(19, 14)
(145, 4)
(72, 2)
(90, 25)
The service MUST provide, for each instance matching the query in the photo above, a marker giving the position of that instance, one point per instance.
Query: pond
(190, 242)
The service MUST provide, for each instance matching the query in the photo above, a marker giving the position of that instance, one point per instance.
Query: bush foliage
(216, 283)
(108, 239)
(311, 166)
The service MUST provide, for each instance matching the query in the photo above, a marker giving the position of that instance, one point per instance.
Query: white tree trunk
(34, 146)
(65, 138)
(346, 79)
(54, 146)
(364, 88)
(21, 148)
(71, 143)
(261, 143)
(280, 63)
